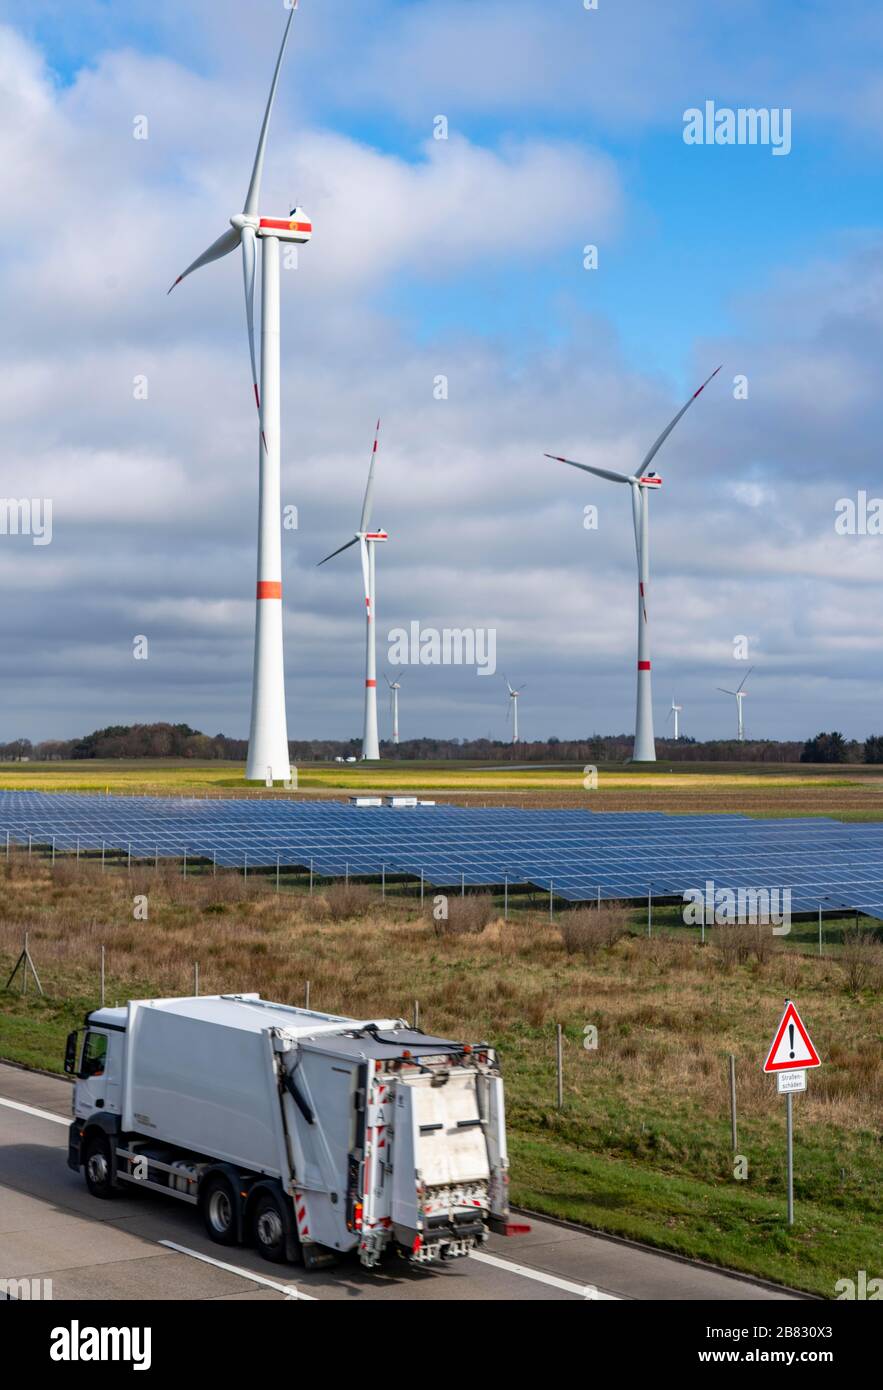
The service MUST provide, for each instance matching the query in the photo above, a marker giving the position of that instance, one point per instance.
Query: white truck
(305, 1133)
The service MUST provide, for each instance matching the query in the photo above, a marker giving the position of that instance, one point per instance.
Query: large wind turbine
(394, 688)
(268, 756)
(366, 541)
(640, 483)
(740, 694)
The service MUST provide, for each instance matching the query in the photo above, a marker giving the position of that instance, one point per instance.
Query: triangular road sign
(792, 1046)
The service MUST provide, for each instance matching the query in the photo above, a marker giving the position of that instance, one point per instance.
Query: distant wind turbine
(640, 483)
(675, 710)
(268, 755)
(740, 695)
(366, 541)
(394, 688)
(512, 707)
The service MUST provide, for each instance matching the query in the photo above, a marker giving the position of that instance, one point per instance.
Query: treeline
(180, 741)
(130, 741)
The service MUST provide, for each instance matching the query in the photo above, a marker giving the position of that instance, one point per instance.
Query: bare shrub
(738, 944)
(667, 954)
(466, 916)
(860, 959)
(345, 901)
(586, 930)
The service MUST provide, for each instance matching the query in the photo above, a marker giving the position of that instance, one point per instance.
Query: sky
(465, 259)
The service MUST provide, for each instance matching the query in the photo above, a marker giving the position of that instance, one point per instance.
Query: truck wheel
(219, 1210)
(268, 1226)
(97, 1166)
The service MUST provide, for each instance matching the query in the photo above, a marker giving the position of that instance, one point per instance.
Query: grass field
(642, 1144)
(852, 792)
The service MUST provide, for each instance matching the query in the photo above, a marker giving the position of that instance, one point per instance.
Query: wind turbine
(513, 707)
(268, 756)
(366, 541)
(675, 710)
(394, 688)
(640, 483)
(740, 694)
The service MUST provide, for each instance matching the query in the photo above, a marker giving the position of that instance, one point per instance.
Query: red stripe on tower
(370, 684)
(643, 665)
(269, 588)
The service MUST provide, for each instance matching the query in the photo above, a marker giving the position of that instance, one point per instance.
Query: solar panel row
(579, 855)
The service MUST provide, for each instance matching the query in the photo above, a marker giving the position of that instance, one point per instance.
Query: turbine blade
(354, 541)
(588, 468)
(248, 274)
(366, 571)
(369, 490)
(222, 247)
(252, 198)
(668, 429)
(727, 692)
(744, 678)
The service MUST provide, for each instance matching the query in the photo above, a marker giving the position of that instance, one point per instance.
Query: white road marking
(30, 1110)
(587, 1291)
(288, 1289)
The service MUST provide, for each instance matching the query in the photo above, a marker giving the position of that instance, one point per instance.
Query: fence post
(53, 851)
(650, 910)
(277, 873)
(733, 1101)
(506, 898)
(416, 1013)
(311, 878)
(102, 856)
(102, 977)
(307, 995)
(383, 880)
(559, 1050)
(196, 978)
(551, 901)
(820, 928)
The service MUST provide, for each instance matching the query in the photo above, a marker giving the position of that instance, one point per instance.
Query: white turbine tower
(740, 695)
(366, 541)
(394, 688)
(640, 483)
(512, 707)
(675, 710)
(268, 756)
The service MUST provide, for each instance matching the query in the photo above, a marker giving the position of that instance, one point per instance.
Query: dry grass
(667, 1010)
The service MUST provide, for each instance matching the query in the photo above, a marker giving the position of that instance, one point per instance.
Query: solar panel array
(579, 855)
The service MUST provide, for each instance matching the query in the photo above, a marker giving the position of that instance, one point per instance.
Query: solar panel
(577, 854)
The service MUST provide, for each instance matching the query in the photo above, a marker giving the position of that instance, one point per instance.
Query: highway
(148, 1247)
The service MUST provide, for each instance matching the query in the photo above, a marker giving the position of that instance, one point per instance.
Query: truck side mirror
(70, 1053)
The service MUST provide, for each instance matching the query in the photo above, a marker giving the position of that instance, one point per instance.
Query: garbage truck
(307, 1134)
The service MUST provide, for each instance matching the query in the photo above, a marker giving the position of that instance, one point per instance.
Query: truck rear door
(440, 1144)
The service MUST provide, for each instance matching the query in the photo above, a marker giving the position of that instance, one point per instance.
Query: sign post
(790, 1055)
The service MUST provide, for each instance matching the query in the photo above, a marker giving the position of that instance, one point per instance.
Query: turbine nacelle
(297, 227)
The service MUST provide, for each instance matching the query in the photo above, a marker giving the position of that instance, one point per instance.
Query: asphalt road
(151, 1247)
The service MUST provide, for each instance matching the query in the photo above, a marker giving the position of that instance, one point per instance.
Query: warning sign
(792, 1046)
